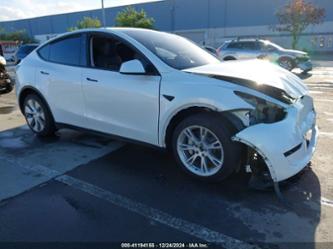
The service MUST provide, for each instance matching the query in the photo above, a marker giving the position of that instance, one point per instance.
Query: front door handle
(92, 80)
(45, 73)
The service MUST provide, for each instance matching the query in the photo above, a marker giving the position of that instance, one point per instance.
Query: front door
(121, 104)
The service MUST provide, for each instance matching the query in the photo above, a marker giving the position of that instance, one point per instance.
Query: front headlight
(264, 112)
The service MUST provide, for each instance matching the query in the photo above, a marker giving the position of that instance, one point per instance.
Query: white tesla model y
(161, 89)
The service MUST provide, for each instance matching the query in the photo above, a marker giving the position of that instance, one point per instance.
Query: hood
(258, 75)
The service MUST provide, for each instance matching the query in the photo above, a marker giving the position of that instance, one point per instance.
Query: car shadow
(152, 177)
(7, 109)
(304, 76)
(229, 207)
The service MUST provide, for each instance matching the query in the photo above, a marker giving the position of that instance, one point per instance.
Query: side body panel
(59, 84)
(122, 104)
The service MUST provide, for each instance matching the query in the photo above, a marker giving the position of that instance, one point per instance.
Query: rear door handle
(45, 73)
(92, 80)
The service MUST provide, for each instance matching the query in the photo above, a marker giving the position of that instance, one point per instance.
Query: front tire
(38, 116)
(287, 63)
(229, 58)
(203, 148)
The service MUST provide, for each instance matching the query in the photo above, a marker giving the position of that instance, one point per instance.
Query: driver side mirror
(132, 67)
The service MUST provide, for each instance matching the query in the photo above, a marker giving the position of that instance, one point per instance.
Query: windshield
(271, 44)
(174, 50)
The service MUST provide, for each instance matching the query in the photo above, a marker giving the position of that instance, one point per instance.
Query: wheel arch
(31, 90)
(288, 57)
(229, 58)
(227, 116)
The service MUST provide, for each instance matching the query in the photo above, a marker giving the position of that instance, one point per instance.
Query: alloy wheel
(200, 150)
(35, 115)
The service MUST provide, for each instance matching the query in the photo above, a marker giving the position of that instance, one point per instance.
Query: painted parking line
(326, 134)
(316, 92)
(326, 202)
(320, 84)
(67, 151)
(161, 217)
(324, 100)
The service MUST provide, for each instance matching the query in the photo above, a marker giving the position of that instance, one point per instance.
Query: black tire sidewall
(289, 60)
(49, 128)
(224, 131)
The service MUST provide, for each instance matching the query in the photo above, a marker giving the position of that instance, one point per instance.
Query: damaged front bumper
(286, 146)
(305, 65)
(6, 83)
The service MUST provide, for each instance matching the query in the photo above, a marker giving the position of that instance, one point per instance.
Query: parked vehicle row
(163, 90)
(262, 49)
(254, 48)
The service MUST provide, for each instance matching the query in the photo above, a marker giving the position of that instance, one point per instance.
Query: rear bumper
(285, 146)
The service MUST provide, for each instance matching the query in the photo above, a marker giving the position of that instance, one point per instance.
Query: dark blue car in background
(23, 51)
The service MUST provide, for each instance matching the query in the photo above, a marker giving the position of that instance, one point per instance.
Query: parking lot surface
(83, 187)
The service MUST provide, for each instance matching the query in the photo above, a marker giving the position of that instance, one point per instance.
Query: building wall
(204, 21)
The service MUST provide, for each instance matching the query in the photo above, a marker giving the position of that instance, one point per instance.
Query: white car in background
(263, 49)
(163, 90)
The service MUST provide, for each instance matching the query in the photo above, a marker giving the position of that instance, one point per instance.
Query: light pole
(103, 14)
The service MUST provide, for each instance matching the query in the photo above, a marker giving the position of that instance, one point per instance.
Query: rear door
(59, 76)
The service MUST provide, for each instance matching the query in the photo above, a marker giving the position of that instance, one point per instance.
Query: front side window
(174, 50)
(109, 53)
(66, 51)
(235, 45)
(249, 46)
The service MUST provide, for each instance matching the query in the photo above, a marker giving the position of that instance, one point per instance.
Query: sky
(20, 9)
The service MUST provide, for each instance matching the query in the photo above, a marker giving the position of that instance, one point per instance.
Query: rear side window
(244, 45)
(66, 51)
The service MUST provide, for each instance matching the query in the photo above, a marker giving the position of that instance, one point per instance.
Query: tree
(296, 16)
(129, 17)
(86, 22)
(19, 35)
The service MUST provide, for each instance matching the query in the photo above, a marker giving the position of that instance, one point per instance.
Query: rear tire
(38, 116)
(203, 148)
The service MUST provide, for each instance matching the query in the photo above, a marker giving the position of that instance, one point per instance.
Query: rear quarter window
(44, 52)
